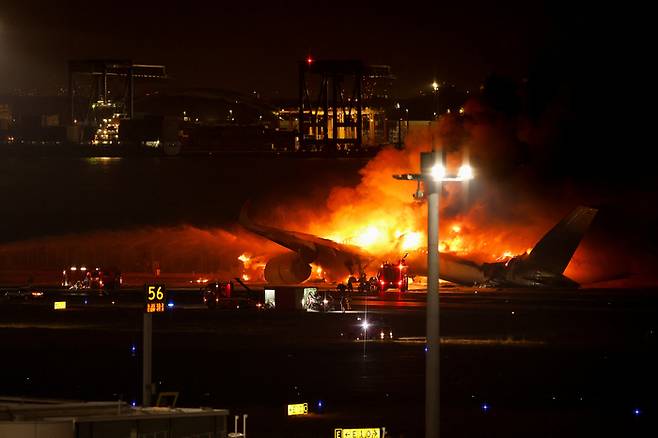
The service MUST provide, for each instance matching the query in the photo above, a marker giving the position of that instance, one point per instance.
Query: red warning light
(309, 60)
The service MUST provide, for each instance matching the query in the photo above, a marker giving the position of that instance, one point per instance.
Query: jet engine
(287, 268)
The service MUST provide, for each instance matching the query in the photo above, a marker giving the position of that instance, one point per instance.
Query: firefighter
(341, 294)
(363, 282)
(345, 303)
(374, 284)
(343, 297)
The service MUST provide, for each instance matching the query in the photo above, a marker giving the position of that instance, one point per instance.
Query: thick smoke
(182, 249)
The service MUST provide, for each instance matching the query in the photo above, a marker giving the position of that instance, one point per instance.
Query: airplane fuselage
(516, 272)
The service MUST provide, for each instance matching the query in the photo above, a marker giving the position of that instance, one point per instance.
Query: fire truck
(79, 277)
(216, 293)
(393, 276)
(222, 295)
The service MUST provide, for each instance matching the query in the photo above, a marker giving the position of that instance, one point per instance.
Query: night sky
(585, 68)
(248, 46)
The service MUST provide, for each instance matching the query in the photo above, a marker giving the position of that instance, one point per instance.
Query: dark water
(49, 196)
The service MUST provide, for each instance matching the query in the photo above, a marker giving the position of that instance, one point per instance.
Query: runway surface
(545, 363)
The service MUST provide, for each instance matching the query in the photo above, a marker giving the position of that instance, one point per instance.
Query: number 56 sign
(156, 296)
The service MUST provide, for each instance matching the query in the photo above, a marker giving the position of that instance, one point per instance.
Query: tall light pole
(432, 174)
(428, 164)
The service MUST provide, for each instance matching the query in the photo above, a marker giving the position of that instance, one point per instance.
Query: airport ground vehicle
(111, 279)
(21, 294)
(221, 295)
(106, 279)
(393, 275)
(216, 292)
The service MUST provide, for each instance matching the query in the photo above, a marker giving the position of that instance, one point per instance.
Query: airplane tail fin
(554, 251)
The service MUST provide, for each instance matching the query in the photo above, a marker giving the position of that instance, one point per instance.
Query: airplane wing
(310, 248)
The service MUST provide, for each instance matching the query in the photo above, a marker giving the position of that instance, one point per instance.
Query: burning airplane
(542, 266)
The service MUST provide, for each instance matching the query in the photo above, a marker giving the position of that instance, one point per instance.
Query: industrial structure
(341, 105)
(117, 107)
(101, 112)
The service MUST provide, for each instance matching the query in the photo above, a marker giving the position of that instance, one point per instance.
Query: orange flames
(482, 220)
(245, 259)
(381, 216)
(252, 266)
(491, 219)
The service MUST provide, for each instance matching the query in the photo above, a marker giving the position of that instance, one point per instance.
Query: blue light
(133, 349)
(637, 412)
(85, 301)
(134, 403)
(426, 349)
(170, 304)
(485, 407)
(320, 404)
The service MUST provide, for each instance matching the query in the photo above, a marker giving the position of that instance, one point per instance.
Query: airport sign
(156, 297)
(59, 305)
(298, 409)
(370, 432)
